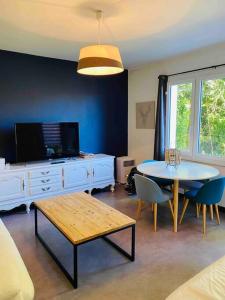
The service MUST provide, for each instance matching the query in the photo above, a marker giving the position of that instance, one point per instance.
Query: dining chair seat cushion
(190, 184)
(191, 194)
(167, 195)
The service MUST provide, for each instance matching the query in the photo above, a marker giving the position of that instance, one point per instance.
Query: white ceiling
(145, 30)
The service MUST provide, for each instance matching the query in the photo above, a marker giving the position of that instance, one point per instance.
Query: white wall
(143, 86)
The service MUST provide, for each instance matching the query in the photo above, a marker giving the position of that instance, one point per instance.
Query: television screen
(40, 141)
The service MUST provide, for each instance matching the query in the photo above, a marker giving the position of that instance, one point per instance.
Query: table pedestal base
(175, 203)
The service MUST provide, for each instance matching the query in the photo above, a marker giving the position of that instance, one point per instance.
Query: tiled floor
(164, 260)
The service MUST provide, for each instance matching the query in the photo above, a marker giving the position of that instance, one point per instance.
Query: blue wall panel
(38, 89)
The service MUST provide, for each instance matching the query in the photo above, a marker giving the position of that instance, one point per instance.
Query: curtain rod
(195, 70)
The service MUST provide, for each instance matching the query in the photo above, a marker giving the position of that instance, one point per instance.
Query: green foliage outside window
(212, 129)
(184, 96)
(212, 117)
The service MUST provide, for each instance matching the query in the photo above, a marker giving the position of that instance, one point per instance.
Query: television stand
(25, 183)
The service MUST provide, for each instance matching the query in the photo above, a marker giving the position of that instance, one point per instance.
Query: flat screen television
(42, 141)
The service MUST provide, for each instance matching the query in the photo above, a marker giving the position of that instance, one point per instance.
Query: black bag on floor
(130, 186)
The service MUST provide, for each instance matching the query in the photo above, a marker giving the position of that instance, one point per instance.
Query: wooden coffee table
(82, 218)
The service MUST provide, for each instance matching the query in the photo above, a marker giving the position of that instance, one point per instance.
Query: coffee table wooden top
(81, 217)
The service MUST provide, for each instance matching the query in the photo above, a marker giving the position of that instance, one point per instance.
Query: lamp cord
(102, 22)
(99, 19)
(112, 36)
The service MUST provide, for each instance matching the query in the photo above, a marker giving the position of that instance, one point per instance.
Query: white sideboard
(23, 184)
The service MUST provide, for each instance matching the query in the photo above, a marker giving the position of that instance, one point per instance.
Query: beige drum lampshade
(100, 60)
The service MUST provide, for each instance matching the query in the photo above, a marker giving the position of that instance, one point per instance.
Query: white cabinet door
(103, 170)
(77, 175)
(11, 187)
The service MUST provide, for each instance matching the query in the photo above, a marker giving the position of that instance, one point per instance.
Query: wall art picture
(145, 115)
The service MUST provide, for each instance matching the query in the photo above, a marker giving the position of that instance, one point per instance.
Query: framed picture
(145, 115)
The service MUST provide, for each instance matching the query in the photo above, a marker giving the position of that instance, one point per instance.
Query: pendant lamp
(99, 59)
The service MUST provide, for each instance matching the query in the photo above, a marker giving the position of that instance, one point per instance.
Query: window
(196, 116)
(180, 116)
(212, 121)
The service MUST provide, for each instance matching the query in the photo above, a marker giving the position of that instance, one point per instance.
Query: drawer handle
(46, 189)
(45, 173)
(45, 180)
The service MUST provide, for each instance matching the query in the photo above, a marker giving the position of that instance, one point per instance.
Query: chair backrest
(148, 161)
(147, 189)
(211, 192)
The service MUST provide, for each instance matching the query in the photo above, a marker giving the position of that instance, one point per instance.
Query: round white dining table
(184, 171)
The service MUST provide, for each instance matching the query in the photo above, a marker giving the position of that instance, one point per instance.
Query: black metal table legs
(74, 279)
(75, 275)
(122, 251)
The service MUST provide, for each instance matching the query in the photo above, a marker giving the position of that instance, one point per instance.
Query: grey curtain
(160, 126)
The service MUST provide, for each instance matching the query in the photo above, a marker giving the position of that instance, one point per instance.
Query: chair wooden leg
(184, 209)
(211, 211)
(197, 210)
(155, 217)
(217, 214)
(204, 218)
(171, 208)
(152, 206)
(184, 197)
(139, 207)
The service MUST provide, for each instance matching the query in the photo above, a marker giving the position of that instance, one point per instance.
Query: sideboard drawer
(48, 188)
(45, 172)
(45, 180)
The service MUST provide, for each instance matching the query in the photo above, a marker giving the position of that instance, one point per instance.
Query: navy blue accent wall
(38, 89)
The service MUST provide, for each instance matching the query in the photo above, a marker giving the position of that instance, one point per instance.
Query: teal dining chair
(209, 194)
(188, 185)
(149, 191)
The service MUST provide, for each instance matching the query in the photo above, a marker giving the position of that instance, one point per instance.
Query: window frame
(196, 79)
(176, 81)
